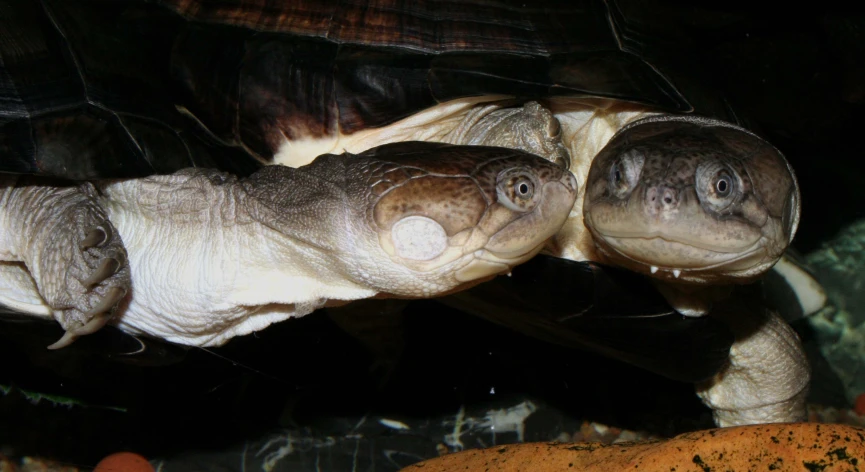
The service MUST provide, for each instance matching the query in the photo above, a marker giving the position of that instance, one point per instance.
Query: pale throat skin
(212, 256)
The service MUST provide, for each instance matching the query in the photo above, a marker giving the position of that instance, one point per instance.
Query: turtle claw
(108, 267)
(112, 297)
(99, 316)
(68, 338)
(91, 327)
(96, 237)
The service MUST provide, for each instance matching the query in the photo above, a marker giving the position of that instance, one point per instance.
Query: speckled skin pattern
(807, 447)
(688, 199)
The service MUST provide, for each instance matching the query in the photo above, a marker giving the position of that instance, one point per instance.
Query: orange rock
(775, 447)
(123, 462)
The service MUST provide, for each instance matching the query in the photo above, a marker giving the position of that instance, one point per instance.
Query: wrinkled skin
(405, 221)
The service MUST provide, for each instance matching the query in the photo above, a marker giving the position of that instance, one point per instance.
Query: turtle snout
(661, 198)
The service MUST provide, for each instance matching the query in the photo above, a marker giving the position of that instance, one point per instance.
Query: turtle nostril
(652, 194)
(669, 196)
(660, 199)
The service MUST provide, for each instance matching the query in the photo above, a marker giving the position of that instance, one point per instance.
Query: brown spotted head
(691, 199)
(460, 214)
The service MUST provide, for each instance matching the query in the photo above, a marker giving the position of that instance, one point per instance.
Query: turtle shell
(99, 88)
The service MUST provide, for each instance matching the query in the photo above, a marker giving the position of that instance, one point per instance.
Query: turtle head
(691, 199)
(464, 213)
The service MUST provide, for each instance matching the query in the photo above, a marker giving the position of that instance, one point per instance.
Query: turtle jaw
(483, 264)
(681, 262)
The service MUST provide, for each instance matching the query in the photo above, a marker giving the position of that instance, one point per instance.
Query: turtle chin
(676, 261)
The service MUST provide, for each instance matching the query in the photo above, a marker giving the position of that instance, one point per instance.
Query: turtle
(391, 221)
(125, 95)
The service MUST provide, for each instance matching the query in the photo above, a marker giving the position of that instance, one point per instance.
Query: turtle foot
(83, 272)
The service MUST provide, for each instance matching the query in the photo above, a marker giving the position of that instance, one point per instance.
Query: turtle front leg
(74, 254)
(767, 378)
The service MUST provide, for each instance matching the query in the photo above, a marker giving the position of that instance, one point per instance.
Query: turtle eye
(517, 189)
(524, 188)
(723, 185)
(625, 172)
(717, 185)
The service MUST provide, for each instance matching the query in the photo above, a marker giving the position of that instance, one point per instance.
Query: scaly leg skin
(70, 248)
(766, 380)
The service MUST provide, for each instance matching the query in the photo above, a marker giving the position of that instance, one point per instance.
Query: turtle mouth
(485, 263)
(683, 243)
(688, 261)
(509, 258)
